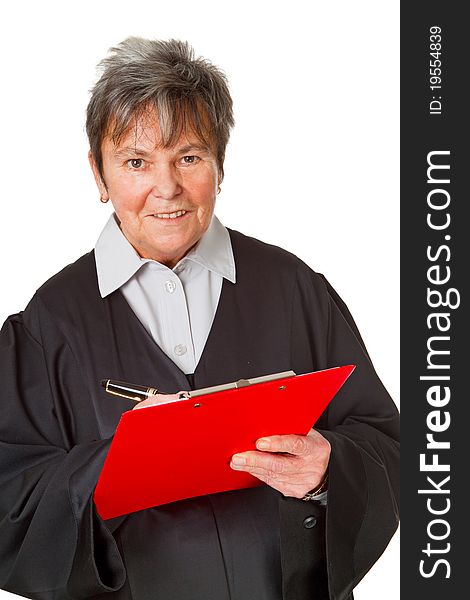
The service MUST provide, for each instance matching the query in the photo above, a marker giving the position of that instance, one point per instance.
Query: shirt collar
(117, 260)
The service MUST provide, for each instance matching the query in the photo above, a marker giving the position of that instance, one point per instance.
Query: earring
(218, 189)
(103, 200)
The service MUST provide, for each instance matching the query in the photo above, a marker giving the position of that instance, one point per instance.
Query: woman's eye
(135, 163)
(190, 160)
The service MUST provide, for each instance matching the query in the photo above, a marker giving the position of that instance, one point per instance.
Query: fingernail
(238, 460)
(262, 444)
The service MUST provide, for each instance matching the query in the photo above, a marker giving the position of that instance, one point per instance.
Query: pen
(132, 391)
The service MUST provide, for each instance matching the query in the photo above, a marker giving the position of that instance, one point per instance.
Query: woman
(170, 296)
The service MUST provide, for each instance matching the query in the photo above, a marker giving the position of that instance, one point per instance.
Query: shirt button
(309, 522)
(170, 286)
(180, 349)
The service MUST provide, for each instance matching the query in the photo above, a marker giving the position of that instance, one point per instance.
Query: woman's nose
(166, 183)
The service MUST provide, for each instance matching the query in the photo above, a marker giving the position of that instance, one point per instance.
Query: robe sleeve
(52, 543)
(362, 426)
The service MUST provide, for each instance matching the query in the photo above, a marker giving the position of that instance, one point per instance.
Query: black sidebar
(435, 253)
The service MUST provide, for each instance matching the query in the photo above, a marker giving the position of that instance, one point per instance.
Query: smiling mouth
(171, 215)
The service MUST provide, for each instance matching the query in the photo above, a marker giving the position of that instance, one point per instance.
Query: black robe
(56, 426)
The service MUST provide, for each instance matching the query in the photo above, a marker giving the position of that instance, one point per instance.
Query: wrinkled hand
(293, 474)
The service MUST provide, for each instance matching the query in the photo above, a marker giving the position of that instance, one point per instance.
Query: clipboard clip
(242, 383)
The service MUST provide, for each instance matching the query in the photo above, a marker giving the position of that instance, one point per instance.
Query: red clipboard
(179, 450)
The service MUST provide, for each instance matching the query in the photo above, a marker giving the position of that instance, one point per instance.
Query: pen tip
(104, 382)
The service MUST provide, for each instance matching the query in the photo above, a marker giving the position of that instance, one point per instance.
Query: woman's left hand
(293, 474)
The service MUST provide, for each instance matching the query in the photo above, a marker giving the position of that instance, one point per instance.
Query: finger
(268, 462)
(293, 444)
(315, 435)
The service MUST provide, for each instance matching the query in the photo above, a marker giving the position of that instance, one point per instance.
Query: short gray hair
(187, 93)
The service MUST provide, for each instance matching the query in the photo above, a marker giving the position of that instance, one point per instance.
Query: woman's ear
(104, 196)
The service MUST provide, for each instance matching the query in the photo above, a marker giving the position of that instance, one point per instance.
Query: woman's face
(163, 197)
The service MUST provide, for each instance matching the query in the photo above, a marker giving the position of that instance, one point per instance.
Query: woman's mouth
(172, 215)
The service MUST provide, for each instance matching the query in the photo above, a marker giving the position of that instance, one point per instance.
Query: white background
(312, 166)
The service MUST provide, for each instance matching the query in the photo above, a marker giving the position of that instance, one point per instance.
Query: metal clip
(242, 383)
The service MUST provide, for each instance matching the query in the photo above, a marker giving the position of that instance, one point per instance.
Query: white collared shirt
(176, 306)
